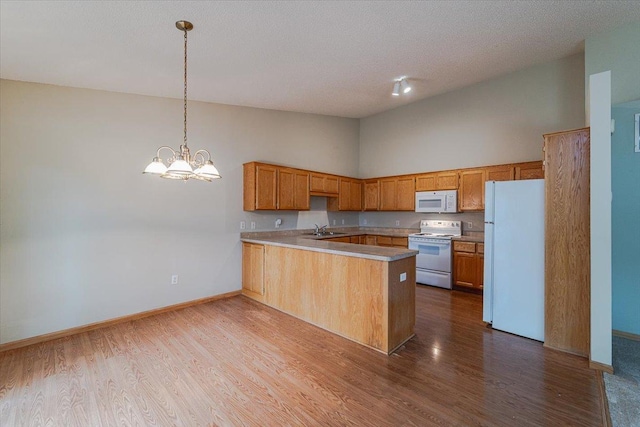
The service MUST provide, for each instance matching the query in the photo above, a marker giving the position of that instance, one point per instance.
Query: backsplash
(317, 214)
(471, 221)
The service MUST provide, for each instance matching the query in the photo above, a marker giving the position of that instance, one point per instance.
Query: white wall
(86, 237)
(498, 121)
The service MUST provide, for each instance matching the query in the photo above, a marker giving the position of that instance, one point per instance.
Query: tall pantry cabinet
(567, 241)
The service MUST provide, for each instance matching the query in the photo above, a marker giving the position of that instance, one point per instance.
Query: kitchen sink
(327, 233)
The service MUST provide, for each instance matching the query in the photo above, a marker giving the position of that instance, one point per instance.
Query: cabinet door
(266, 187)
(426, 182)
(252, 268)
(529, 170)
(371, 240)
(447, 180)
(406, 194)
(301, 194)
(344, 196)
(286, 189)
(371, 189)
(500, 173)
(388, 194)
(465, 269)
(331, 184)
(316, 182)
(355, 202)
(471, 193)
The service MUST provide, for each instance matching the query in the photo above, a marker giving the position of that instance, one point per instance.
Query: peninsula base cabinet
(357, 298)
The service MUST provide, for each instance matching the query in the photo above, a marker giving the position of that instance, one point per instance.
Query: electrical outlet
(243, 225)
(253, 225)
(334, 222)
(403, 277)
(343, 222)
(469, 224)
(364, 221)
(174, 279)
(278, 222)
(397, 223)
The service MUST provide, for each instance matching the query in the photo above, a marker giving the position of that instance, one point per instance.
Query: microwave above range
(437, 201)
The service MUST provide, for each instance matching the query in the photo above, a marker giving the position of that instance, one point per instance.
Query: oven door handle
(432, 244)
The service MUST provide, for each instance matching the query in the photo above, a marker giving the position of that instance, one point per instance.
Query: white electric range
(433, 243)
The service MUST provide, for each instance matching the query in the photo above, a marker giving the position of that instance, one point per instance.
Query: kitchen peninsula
(362, 292)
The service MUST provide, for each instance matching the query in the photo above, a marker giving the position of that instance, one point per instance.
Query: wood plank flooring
(237, 362)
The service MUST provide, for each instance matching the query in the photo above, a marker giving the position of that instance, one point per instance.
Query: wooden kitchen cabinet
(293, 189)
(260, 187)
(435, 181)
(529, 170)
(499, 173)
(471, 191)
(397, 194)
(567, 315)
(468, 265)
(321, 184)
(371, 240)
(397, 242)
(371, 195)
(349, 198)
(252, 269)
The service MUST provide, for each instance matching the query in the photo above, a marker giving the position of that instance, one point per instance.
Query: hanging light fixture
(181, 163)
(405, 86)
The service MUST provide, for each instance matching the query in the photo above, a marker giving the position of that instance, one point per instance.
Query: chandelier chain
(185, 87)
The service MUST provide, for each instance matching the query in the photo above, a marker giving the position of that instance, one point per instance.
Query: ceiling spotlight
(405, 86)
(396, 89)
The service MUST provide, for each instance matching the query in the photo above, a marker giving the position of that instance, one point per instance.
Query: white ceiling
(334, 58)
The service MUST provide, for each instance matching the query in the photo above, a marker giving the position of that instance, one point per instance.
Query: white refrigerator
(513, 295)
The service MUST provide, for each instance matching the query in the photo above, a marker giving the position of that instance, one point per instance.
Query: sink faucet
(323, 229)
(317, 230)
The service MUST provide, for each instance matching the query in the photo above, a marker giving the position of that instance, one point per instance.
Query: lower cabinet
(468, 265)
(252, 269)
(373, 240)
(397, 242)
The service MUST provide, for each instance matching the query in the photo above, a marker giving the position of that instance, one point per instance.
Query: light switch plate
(403, 277)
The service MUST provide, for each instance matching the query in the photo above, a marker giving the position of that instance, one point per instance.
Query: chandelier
(182, 165)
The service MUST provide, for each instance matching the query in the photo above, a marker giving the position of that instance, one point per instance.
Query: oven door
(432, 255)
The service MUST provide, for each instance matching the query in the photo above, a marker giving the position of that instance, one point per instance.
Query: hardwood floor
(237, 362)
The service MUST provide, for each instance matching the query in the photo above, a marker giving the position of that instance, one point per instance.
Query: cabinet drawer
(480, 248)
(400, 241)
(385, 241)
(464, 246)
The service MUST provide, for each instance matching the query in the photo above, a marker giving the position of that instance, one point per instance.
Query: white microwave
(437, 201)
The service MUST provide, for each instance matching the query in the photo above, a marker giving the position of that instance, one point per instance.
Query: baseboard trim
(627, 335)
(601, 367)
(12, 345)
(604, 402)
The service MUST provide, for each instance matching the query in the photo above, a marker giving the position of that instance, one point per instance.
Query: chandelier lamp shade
(183, 165)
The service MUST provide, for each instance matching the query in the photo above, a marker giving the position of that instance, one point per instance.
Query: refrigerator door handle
(488, 222)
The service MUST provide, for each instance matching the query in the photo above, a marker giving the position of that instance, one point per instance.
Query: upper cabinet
(529, 170)
(371, 195)
(434, 181)
(260, 187)
(293, 189)
(269, 187)
(471, 191)
(500, 173)
(349, 197)
(397, 194)
(323, 185)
